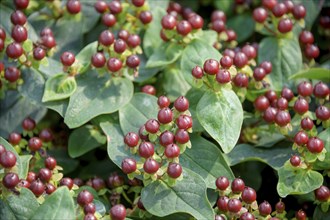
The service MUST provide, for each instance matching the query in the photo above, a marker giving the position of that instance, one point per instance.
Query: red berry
(269, 4)
(67, 58)
(115, 7)
(322, 194)
(46, 135)
(287, 94)
(150, 166)
(322, 113)
(131, 139)
(181, 136)
(295, 160)
(114, 64)
(301, 138)
(211, 66)
(315, 145)
(265, 208)
(106, 38)
(306, 37)
(98, 60)
(279, 10)
(238, 185)
(46, 32)
(231, 35)
(240, 60)
(181, 104)
(14, 50)
(267, 66)
(222, 203)
(114, 181)
(261, 103)
(133, 40)
(289, 5)
(145, 17)
(23, 183)
(89, 208)
(197, 72)
(73, 6)
(301, 215)
(21, 4)
(138, 3)
(37, 187)
(90, 216)
(35, 144)
(222, 183)
(128, 165)
(226, 62)
(218, 15)
(260, 15)
(218, 26)
(234, 205)
(321, 90)
(163, 101)
(184, 122)
(39, 53)
(118, 212)
(223, 76)
(249, 51)
(249, 195)
(149, 89)
(282, 103)
(174, 170)
(241, 80)
(68, 182)
(312, 51)
(12, 74)
(50, 163)
(119, 46)
(109, 19)
(282, 118)
(17, 18)
(280, 207)
(133, 61)
(146, 149)
(84, 197)
(247, 216)
(28, 124)
(10, 180)
(48, 41)
(299, 11)
(196, 21)
(271, 95)
(285, 25)
(270, 114)
(305, 89)
(172, 151)
(31, 176)
(168, 22)
(19, 33)
(8, 159)
(229, 52)
(123, 34)
(2, 33)
(100, 6)
(307, 124)
(301, 106)
(259, 73)
(166, 138)
(2, 149)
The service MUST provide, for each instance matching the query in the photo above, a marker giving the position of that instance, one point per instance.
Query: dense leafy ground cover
(164, 110)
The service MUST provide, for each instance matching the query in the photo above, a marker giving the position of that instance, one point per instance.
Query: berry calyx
(128, 165)
(174, 170)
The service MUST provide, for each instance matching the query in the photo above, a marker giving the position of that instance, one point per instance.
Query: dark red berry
(98, 60)
(312, 51)
(184, 122)
(46, 135)
(48, 41)
(174, 170)
(128, 165)
(45, 174)
(73, 6)
(231, 35)
(287, 94)
(118, 212)
(301, 138)
(181, 104)
(98, 183)
(84, 197)
(211, 66)
(181, 136)
(260, 15)
(163, 101)
(46, 32)
(115, 7)
(131, 139)
(14, 50)
(301, 106)
(17, 18)
(282, 103)
(222, 203)
(100, 6)
(321, 90)
(150, 166)
(172, 151)
(315, 145)
(149, 89)
(279, 10)
(19, 33)
(12, 74)
(114, 64)
(79, 182)
(223, 76)
(8, 159)
(28, 124)
(2, 33)
(234, 205)
(229, 52)
(3, 149)
(285, 25)
(289, 5)
(50, 163)
(138, 3)
(306, 37)
(267, 66)
(133, 40)
(106, 38)
(299, 11)
(265, 208)
(270, 114)
(152, 126)
(301, 215)
(145, 17)
(240, 60)
(10, 180)
(322, 194)
(31, 176)
(67, 182)
(89, 208)
(305, 88)
(249, 51)
(37, 187)
(269, 4)
(146, 149)
(282, 118)
(197, 72)
(196, 21)
(259, 73)
(280, 207)
(247, 216)
(218, 26)
(261, 103)
(2, 45)
(39, 53)
(218, 15)
(226, 62)
(50, 188)
(222, 183)
(241, 80)
(35, 144)
(114, 181)
(67, 58)
(14, 138)
(249, 195)
(21, 4)
(140, 205)
(109, 19)
(168, 22)
(133, 61)
(23, 183)
(238, 185)
(307, 124)
(174, 6)
(322, 113)
(119, 46)
(166, 138)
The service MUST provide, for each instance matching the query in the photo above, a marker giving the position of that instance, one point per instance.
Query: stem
(126, 198)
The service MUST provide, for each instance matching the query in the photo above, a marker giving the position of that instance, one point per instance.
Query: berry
(73, 6)
(114, 181)
(131, 139)
(133, 40)
(149, 89)
(282, 118)
(143, 134)
(14, 138)
(35, 144)
(133, 61)
(223, 76)
(138, 3)
(2, 149)
(247, 216)
(2, 34)
(211, 66)
(322, 194)
(8, 159)
(305, 88)
(21, 4)
(12, 74)
(165, 116)
(312, 51)
(19, 33)
(37, 187)
(249, 195)
(115, 7)
(315, 145)
(280, 207)
(260, 15)
(146, 149)
(271, 95)
(28, 124)
(174, 170)
(231, 35)
(166, 138)
(39, 53)
(289, 5)
(97, 183)
(241, 80)
(279, 10)
(89, 208)
(45, 174)
(222, 183)
(183, 28)
(282, 103)
(172, 151)
(321, 90)
(128, 165)
(287, 94)
(168, 22)
(229, 52)
(67, 58)
(98, 60)
(267, 66)
(100, 6)
(299, 11)
(270, 114)
(307, 124)
(31, 176)
(118, 212)
(184, 122)
(218, 26)
(261, 103)
(150, 166)
(123, 34)
(109, 19)
(140, 204)
(17, 18)
(322, 113)
(90, 216)
(23, 183)
(50, 188)
(259, 73)
(285, 25)
(197, 72)
(114, 64)
(2, 45)
(181, 136)
(46, 32)
(67, 182)
(181, 104)
(265, 208)
(249, 51)
(238, 185)
(295, 160)
(163, 101)
(79, 182)
(240, 60)
(226, 62)
(306, 37)
(300, 215)
(234, 205)
(84, 197)
(46, 135)
(106, 38)
(14, 50)
(269, 4)
(222, 203)
(145, 17)
(48, 41)
(152, 126)
(10, 180)
(218, 15)
(301, 138)
(196, 21)
(119, 46)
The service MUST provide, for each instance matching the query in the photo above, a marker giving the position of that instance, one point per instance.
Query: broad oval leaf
(59, 86)
(135, 113)
(83, 140)
(84, 56)
(95, 96)
(313, 73)
(207, 160)
(286, 58)
(195, 54)
(187, 195)
(194, 95)
(221, 115)
(297, 181)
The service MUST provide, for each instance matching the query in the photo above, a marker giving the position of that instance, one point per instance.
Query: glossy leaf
(313, 73)
(95, 96)
(194, 95)
(59, 205)
(60, 86)
(25, 160)
(221, 115)
(207, 160)
(84, 57)
(188, 196)
(83, 140)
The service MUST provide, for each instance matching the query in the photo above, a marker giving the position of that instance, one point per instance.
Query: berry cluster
(160, 142)
(238, 201)
(179, 22)
(306, 39)
(278, 17)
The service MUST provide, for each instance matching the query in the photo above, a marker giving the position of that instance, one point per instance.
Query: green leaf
(135, 113)
(225, 6)
(275, 156)
(208, 36)
(59, 205)
(144, 73)
(84, 56)
(95, 96)
(221, 115)
(205, 159)
(28, 45)
(60, 86)
(286, 58)
(297, 181)
(313, 73)
(166, 54)
(325, 164)
(320, 215)
(195, 54)
(194, 95)
(243, 20)
(83, 140)
(188, 196)
(25, 160)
